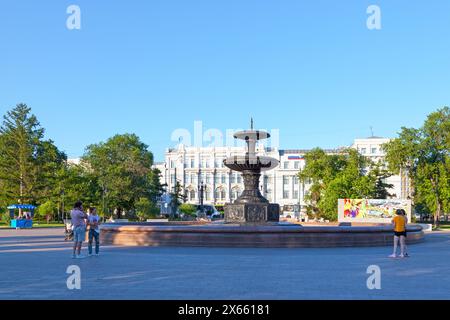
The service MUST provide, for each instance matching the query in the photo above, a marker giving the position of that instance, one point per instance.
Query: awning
(21, 206)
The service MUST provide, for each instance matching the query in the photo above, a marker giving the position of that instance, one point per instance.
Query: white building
(372, 148)
(190, 166)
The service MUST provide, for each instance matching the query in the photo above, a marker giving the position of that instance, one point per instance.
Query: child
(399, 233)
(94, 231)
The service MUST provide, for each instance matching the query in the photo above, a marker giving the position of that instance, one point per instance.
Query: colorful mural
(373, 209)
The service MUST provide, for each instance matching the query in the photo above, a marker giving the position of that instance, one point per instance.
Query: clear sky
(311, 69)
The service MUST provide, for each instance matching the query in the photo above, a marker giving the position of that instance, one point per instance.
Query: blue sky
(309, 68)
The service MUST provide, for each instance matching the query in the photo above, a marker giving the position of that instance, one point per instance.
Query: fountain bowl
(248, 163)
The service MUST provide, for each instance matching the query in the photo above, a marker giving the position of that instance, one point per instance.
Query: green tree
(188, 209)
(122, 166)
(76, 182)
(423, 154)
(344, 175)
(146, 209)
(177, 197)
(380, 175)
(47, 210)
(28, 163)
(156, 189)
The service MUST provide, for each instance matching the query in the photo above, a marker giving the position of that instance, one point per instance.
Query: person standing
(79, 229)
(399, 223)
(94, 231)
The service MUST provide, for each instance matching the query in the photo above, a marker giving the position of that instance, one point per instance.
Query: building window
(374, 150)
(192, 163)
(363, 150)
(286, 165)
(285, 180)
(233, 178)
(224, 179)
(172, 164)
(295, 180)
(239, 178)
(285, 194)
(219, 163)
(220, 194)
(208, 179)
(297, 165)
(296, 194)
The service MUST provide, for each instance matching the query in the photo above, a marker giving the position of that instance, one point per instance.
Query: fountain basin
(248, 163)
(270, 235)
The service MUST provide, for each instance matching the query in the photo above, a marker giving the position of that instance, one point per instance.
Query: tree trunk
(437, 214)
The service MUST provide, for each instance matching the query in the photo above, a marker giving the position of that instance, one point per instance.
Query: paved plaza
(34, 262)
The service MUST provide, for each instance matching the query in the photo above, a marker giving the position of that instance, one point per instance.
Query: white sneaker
(393, 256)
(402, 256)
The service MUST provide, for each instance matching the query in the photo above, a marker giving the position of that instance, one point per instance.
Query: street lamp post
(201, 190)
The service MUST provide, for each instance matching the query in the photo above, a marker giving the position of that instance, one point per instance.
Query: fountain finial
(251, 123)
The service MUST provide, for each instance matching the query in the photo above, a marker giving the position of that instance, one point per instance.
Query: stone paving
(33, 265)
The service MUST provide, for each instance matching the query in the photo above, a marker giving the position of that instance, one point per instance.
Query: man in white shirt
(79, 229)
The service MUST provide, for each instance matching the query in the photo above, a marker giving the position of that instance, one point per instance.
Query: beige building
(192, 166)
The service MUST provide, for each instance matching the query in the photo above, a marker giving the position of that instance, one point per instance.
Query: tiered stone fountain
(251, 207)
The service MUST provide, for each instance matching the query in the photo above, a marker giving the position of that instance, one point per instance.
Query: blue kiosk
(24, 222)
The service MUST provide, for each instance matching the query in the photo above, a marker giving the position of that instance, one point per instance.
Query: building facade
(193, 167)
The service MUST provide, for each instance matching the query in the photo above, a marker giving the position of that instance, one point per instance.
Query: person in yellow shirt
(400, 222)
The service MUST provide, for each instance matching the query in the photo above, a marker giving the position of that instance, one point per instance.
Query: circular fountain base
(275, 235)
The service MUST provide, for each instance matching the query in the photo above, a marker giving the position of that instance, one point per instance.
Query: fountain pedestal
(252, 213)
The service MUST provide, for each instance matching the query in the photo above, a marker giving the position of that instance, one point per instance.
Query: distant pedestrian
(406, 231)
(79, 229)
(400, 235)
(94, 231)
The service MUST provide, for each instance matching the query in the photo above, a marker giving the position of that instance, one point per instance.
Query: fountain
(251, 207)
(250, 221)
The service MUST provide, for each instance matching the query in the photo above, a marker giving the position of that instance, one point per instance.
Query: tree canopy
(116, 174)
(424, 155)
(122, 167)
(344, 175)
(28, 162)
